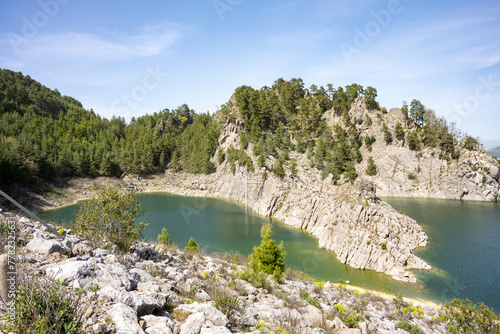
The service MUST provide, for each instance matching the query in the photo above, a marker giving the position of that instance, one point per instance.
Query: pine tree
(268, 257)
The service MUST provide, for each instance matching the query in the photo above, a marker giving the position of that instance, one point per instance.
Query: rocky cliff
(402, 172)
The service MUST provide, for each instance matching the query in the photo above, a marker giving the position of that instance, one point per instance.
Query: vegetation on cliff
(44, 135)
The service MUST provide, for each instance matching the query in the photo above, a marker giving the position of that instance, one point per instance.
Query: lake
(463, 242)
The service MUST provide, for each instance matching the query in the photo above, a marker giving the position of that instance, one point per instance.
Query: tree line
(44, 135)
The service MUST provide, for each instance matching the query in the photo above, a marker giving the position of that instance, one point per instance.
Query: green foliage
(164, 237)
(387, 134)
(311, 300)
(417, 112)
(370, 94)
(44, 306)
(192, 245)
(399, 132)
(109, 219)
(44, 135)
(413, 141)
(240, 156)
(466, 317)
(369, 140)
(383, 246)
(278, 169)
(471, 143)
(371, 169)
(410, 328)
(268, 257)
(225, 302)
(412, 176)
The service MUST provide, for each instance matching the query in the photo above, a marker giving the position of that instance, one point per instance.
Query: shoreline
(145, 186)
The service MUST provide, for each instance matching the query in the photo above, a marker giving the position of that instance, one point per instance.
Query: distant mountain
(490, 143)
(494, 152)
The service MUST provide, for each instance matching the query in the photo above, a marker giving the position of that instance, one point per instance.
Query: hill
(494, 152)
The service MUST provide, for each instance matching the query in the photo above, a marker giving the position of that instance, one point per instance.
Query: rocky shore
(158, 289)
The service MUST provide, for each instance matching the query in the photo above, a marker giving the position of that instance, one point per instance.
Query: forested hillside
(44, 135)
(289, 117)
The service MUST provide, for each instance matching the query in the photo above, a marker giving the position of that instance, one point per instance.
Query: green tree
(387, 134)
(370, 94)
(413, 141)
(417, 112)
(109, 219)
(467, 317)
(399, 132)
(164, 237)
(192, 245)
(371, 168)
(268, 257)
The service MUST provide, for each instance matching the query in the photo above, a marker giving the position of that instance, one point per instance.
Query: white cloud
(150, 41)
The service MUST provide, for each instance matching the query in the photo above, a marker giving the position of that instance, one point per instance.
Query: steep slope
(402, 172)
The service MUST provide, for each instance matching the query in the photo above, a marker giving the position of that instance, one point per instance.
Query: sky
(128, 58)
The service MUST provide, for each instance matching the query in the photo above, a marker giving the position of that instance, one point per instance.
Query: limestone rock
(83, 249)
(47, 246)
(142, 305)
(210, 312)
(193, 323)
(125, 319)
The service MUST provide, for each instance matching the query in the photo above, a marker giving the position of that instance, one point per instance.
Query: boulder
(210, 312)
(46, 246)
(158, 325)
(83, 249)
(116, 276)
(141, 304)
(125, 319)
(69, 270)
(193, 323)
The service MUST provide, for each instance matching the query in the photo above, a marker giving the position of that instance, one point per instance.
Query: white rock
(125, 319)
(68, 270)
(193, 324)
(158, 325)
(46, 246)
(141, 304)
(216, 316)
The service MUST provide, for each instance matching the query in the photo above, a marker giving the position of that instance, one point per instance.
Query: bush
(383, 246)
(164, 238)
(412, 176)
(109, 219)
(467, 317)
(226, 303)
(371, 168)
(44, 306)
(311, 300)
(268, 257)
(410, 328)
(192, 245)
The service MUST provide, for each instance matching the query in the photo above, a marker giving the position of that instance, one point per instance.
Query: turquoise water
(464, 243)
(222, 226)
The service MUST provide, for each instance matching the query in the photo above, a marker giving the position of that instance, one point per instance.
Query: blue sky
(128, 58)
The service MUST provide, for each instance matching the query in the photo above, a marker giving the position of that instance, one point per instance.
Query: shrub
(412, 176)
(164, 237)
(44, 306)
(192, 245)
(383, 246)
(226, 303)
(371, 168)
(410, 328)
(268, 257)
(467, 317)
(311, 300)
(109, 219)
